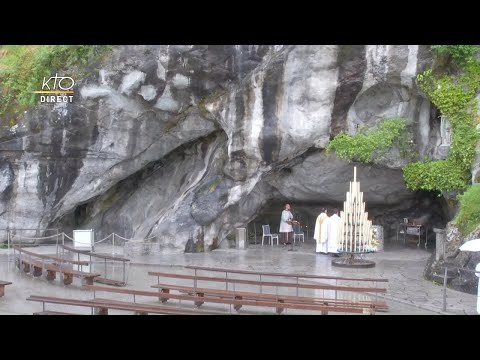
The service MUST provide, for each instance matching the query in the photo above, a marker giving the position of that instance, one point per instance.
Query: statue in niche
(445, 131)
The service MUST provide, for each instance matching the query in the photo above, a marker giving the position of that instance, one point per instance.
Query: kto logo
(57, 85)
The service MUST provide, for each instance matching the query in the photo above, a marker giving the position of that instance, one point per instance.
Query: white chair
(267, 234)
(298, 232)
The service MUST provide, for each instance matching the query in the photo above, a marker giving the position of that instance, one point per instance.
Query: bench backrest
(49, 257)
(263, 273)
(269, 283)
(89, 253)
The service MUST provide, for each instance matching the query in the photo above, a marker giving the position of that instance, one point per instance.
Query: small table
(410, 229)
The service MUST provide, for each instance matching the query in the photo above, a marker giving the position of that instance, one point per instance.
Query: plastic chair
(298, 232)
(267, 234)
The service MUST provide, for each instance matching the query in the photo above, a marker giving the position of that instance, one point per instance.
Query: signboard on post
(241, 241)
(83, 239)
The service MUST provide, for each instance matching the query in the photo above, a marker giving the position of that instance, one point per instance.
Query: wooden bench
(269, 283)
(35, 264)
(287, 275)
(2, 287)
(368, 306)
(101, 306)
(49, 312)
(230, 300)
(101, 279)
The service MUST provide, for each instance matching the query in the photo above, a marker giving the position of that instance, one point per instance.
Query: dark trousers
(285, 237)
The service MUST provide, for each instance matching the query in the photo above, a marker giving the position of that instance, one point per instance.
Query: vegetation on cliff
(23, 67)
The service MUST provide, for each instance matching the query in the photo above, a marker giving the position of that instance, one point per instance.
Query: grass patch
(23, 67)
(468, 217)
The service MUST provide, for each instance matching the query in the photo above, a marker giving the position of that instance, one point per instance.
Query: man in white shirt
(285, 227)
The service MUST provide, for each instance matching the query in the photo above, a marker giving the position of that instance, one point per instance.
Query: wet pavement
(407, 291)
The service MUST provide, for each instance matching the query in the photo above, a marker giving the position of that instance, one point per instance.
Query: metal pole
(113, 244)
(124, 272)
(445, 290)
(307, 229)
(8, 246)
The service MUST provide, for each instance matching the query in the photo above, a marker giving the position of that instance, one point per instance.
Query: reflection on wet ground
(408, 292)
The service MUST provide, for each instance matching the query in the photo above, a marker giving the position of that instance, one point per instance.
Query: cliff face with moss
(189, 142)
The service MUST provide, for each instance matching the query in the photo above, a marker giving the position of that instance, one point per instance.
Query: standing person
(320, 234)
(334, 232)
(285, 227)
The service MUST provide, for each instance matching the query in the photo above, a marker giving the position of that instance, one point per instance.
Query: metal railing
(445, 281)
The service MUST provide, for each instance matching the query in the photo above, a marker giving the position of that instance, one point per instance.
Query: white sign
(84, 239)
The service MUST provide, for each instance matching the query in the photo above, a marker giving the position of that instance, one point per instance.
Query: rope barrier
(121, 237)
(105, 238)
(70, 238)
(34, 238)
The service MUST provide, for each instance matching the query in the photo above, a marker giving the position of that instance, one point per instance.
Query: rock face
(185, 143)
(458, 279)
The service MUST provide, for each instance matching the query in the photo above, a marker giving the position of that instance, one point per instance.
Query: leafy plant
(23, 67)
(454, 96)
(369, 146)
(460, 54)
(468, 217)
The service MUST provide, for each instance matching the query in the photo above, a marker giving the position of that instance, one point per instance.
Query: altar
(407, 229)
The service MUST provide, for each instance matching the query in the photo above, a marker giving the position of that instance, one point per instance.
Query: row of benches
(101, 279)
(35, 264)
(234, 297)
(242, 297)
(100, 306)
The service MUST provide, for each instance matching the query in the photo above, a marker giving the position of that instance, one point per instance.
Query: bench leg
(237, 306)
(26, 267)
(51, 275)
(164, 299)
(88, 280)
(101, 311)
(280, 310)
(37, 271)
(369, 311)
(2, 290)
(323, 311)
(199, 303)
(67, 279)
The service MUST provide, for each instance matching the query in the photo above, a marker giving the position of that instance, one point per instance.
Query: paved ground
(408, 292)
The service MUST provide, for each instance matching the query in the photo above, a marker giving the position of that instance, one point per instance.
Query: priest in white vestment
(334, 232)
(320, 233)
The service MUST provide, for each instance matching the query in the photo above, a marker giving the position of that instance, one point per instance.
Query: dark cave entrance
(425, 204)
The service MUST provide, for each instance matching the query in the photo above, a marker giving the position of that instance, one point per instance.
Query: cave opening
(425, 206)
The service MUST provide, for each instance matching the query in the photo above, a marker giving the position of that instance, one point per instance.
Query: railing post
(444, 308)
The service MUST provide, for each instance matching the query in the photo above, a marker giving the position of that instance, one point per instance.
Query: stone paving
(408, 292)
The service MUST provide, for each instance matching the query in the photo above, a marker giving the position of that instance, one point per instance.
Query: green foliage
(209, 187)
(368, 147)
(454, 96)
(460, 54)
(23, 67)
(434, 175)
(468, 217)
